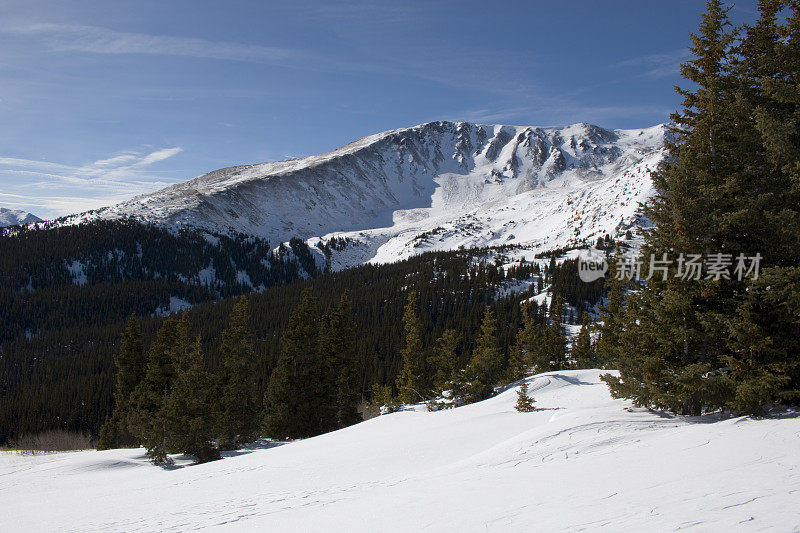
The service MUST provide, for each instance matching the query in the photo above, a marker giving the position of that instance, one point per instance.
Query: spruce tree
(525, 404)
(765, 329)
(188, 410)
(131, 363)
(608, 344)
(523, 352)
(695, 345)
(582, 348)
(298, 401)
(238, 403)
(486, 365)
(146, 419)
(411, 385)
(337, 338)
(445, 359)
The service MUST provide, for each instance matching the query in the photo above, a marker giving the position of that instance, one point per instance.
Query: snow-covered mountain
(12, 217)
(581, 462)
(435, 186)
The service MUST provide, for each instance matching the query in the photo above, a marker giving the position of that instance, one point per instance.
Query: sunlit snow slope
(436, 186)
(582, 461)
(12, 217)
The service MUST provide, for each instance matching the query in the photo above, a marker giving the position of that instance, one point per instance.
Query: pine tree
(608, 344)
(550, 352)
(765, 329)
(486, 365)
(445, 359)
(146, 418)
(337, 346)
(525, 404)
(188, 410)
(526, 345)
(696, 345)
(411, 386)
(298, 401)
(239, 406)
(582, 348)
(383, 400)
(130, 362)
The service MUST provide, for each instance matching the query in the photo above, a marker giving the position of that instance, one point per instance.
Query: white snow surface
(436, 186)
(581, 462)
(13, 217)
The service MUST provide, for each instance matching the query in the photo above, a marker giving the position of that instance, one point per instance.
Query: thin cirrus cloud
(448, 69)
(93, 39)
(657, 65)
(50, 189)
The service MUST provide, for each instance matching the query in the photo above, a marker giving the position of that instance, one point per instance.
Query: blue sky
(100, 101)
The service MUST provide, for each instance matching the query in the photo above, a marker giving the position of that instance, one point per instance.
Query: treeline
(167, 399)
(100, 272)
(64, 378)
(436, 373)
(731, 188)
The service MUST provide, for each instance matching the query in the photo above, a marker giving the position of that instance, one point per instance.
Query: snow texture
(436, 186)
(12, 217)
(581, 461)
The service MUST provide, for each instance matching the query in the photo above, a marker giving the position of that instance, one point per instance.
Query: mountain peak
(12, 217)
(470, 185)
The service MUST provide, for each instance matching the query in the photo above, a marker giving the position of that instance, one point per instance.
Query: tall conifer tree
(298, 400)
(188, 410)
(146, 417)
(411, 383)
(131, 364)
(239, 406)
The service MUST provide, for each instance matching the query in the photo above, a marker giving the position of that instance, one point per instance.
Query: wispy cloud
(52, 189)
(447, 65)
(657, 65)
(556, 112)
(93, 39)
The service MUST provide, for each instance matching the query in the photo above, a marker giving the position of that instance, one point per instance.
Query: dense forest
(63, 376)
(93, 274)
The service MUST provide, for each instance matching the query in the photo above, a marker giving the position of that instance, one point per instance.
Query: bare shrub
(53, 440)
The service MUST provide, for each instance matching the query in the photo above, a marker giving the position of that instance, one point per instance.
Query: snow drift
(581, 461)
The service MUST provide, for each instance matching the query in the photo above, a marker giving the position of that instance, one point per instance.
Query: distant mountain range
(11, 217)
(436, 186)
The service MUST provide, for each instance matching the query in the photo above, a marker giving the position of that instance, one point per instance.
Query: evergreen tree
(383, 399)
(695, 345)
(337, 346)
(298, 401)
(525, 403)
(550, 352)
(188, 410)
(239, 405)
(608, 344)
(445, 359)
(526, 346)
(486, 365)
(582, 348)
(130, 362)
(765, 350)
(411, 386)
(146, 418)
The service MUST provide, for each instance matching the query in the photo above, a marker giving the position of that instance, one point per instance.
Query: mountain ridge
(14, 217)
(387, 194)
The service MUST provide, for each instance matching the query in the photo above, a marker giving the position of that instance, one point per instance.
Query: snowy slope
(581, 462)
(12, 217)
(438, 185)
